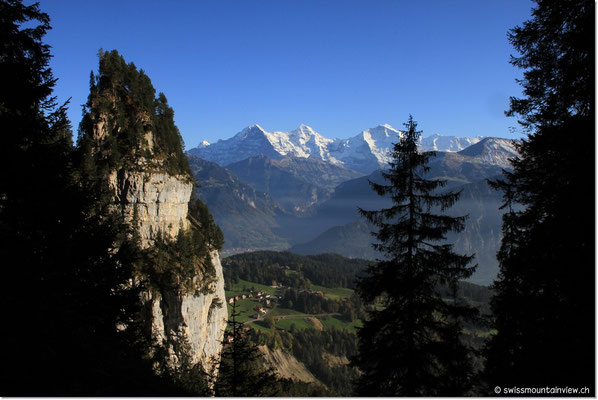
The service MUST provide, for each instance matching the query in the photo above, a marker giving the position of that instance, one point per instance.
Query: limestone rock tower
(136, 150)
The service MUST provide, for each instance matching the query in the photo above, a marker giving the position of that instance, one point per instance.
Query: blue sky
(338, 66)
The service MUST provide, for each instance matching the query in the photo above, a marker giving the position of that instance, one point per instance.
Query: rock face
(160, 202)
(201, 319)
(287, 366)
(130, 141)
(159, 199)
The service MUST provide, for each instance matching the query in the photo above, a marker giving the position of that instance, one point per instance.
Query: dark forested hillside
(544, 304)
(310, 314)
(350, 240)
(330, 270)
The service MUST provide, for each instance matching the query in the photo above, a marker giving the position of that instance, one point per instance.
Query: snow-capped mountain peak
(447, 143)
(305, 133)
(306, 129)
(365, 152)
(204, 143)
(254, 129)
(493, 150)
(381, 136)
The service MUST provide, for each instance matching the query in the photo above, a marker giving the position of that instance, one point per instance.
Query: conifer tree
(543, 308)
(66, 293)
(411, 346)
(122, 101)
(34, 170)
(242, 371)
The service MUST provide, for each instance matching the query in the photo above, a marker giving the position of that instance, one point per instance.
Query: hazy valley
(293, 193)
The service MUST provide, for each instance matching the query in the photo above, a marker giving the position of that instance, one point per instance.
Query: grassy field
(333, 293)
(244, 308)
(278, 311)
(336, 323)
(300, 323)
(238, 288)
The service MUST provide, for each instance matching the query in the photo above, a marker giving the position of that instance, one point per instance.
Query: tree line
(350, 308)
(328, 270)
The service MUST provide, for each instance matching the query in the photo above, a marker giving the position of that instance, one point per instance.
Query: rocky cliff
(200, 319)
(159, 204)
(160, 201)
(131, 147)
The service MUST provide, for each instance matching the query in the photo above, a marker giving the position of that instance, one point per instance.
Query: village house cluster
(264, 299)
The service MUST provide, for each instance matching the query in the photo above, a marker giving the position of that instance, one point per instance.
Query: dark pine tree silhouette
(543, 308)
(242, 371)
(411, 345)
(64, 287)
(34, 170)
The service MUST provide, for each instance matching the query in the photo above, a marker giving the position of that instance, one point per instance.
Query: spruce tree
(543, 308)
(410, 345)
(34, 172)
(121, 111)
(242, 370)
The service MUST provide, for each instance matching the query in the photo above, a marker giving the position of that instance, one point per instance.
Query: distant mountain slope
(335, 224)
(246, 216)
(365, 152)
(295, 183)
(350, 240)
(317, 172)
(492, 151)
(483, 228)
(486, 158)
(457, 168)
(481, 235)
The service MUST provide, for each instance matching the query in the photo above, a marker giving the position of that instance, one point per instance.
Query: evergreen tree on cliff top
(121, 111)
(126, 128)
(544, 296)
(411, 346)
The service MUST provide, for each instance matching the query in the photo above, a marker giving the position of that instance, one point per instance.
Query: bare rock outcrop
(130, 142)
(159, 204)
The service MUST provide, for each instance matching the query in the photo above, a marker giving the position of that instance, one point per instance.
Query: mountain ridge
(364, 152)
(325, 222)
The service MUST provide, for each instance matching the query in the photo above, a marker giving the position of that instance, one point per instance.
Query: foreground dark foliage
(64, 287)
(544, 304)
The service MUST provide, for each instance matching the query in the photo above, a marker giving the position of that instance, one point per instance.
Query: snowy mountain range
(365, 152)
(281, 190)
